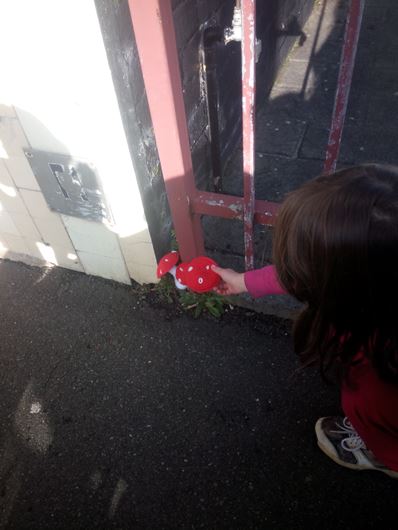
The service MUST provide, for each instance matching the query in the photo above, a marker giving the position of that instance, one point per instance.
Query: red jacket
(370, 404)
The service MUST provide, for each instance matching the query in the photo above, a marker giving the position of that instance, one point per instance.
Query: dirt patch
(169, 308)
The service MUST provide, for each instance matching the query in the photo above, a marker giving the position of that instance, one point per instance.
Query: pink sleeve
(262, 282)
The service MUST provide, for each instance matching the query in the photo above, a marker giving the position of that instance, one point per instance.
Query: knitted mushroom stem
(179, 285)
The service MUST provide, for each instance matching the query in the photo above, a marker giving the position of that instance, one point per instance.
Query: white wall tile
(12, 204)
(68, 264)
(53, 231)
(3, 248)
(111, 268)
(139, 252)
(35, 250)
(7, 110)
(40, 136)
(20, 249)
(36, 253)
(46, 232)
(56, 255)
(4, 175)
(12, 136)
(21, 172)
(7, 226)
(142, 273)
(139, 256)
(92, 237)
(67, 259)
(36, 204)
(14, 243)
(25, 225)
(10, 199)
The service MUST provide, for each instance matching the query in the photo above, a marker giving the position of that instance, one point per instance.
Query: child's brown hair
(336, 250)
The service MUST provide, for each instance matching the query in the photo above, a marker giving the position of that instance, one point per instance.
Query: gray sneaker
(338, 439)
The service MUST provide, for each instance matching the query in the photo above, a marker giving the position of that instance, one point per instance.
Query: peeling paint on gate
(248, 123)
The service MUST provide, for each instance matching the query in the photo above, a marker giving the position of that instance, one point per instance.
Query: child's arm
(260, 282)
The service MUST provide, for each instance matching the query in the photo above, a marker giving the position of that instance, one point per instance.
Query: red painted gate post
(347, 63)
(248, 123)
(156, 43)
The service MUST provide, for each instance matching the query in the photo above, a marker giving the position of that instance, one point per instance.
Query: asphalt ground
(120, 412)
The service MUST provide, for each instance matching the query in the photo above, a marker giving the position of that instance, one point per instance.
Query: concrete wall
(116, 27)
(57, 95)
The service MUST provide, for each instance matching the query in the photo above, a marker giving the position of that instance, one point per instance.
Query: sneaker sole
(329, 452)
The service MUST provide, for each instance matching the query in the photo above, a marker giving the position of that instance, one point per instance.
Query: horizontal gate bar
(231, 207)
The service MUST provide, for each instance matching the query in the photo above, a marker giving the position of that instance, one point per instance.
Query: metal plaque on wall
(70, 186)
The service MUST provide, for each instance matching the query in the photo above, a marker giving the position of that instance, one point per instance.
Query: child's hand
(232, 282)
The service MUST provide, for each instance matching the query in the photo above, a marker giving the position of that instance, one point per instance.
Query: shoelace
(353, 442)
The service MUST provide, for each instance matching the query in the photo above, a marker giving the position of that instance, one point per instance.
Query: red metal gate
(156, 43)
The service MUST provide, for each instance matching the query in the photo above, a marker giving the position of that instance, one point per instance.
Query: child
(336, 250)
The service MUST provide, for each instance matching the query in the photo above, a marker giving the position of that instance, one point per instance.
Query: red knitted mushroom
(167, 263)
(181, 272)
(197, 275)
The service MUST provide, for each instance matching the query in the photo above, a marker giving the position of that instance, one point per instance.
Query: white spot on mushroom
(200, 280)
(190, 269)
(166, 259)
(181, 269)
(207, 267)
(160, 270)
(179, 280)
